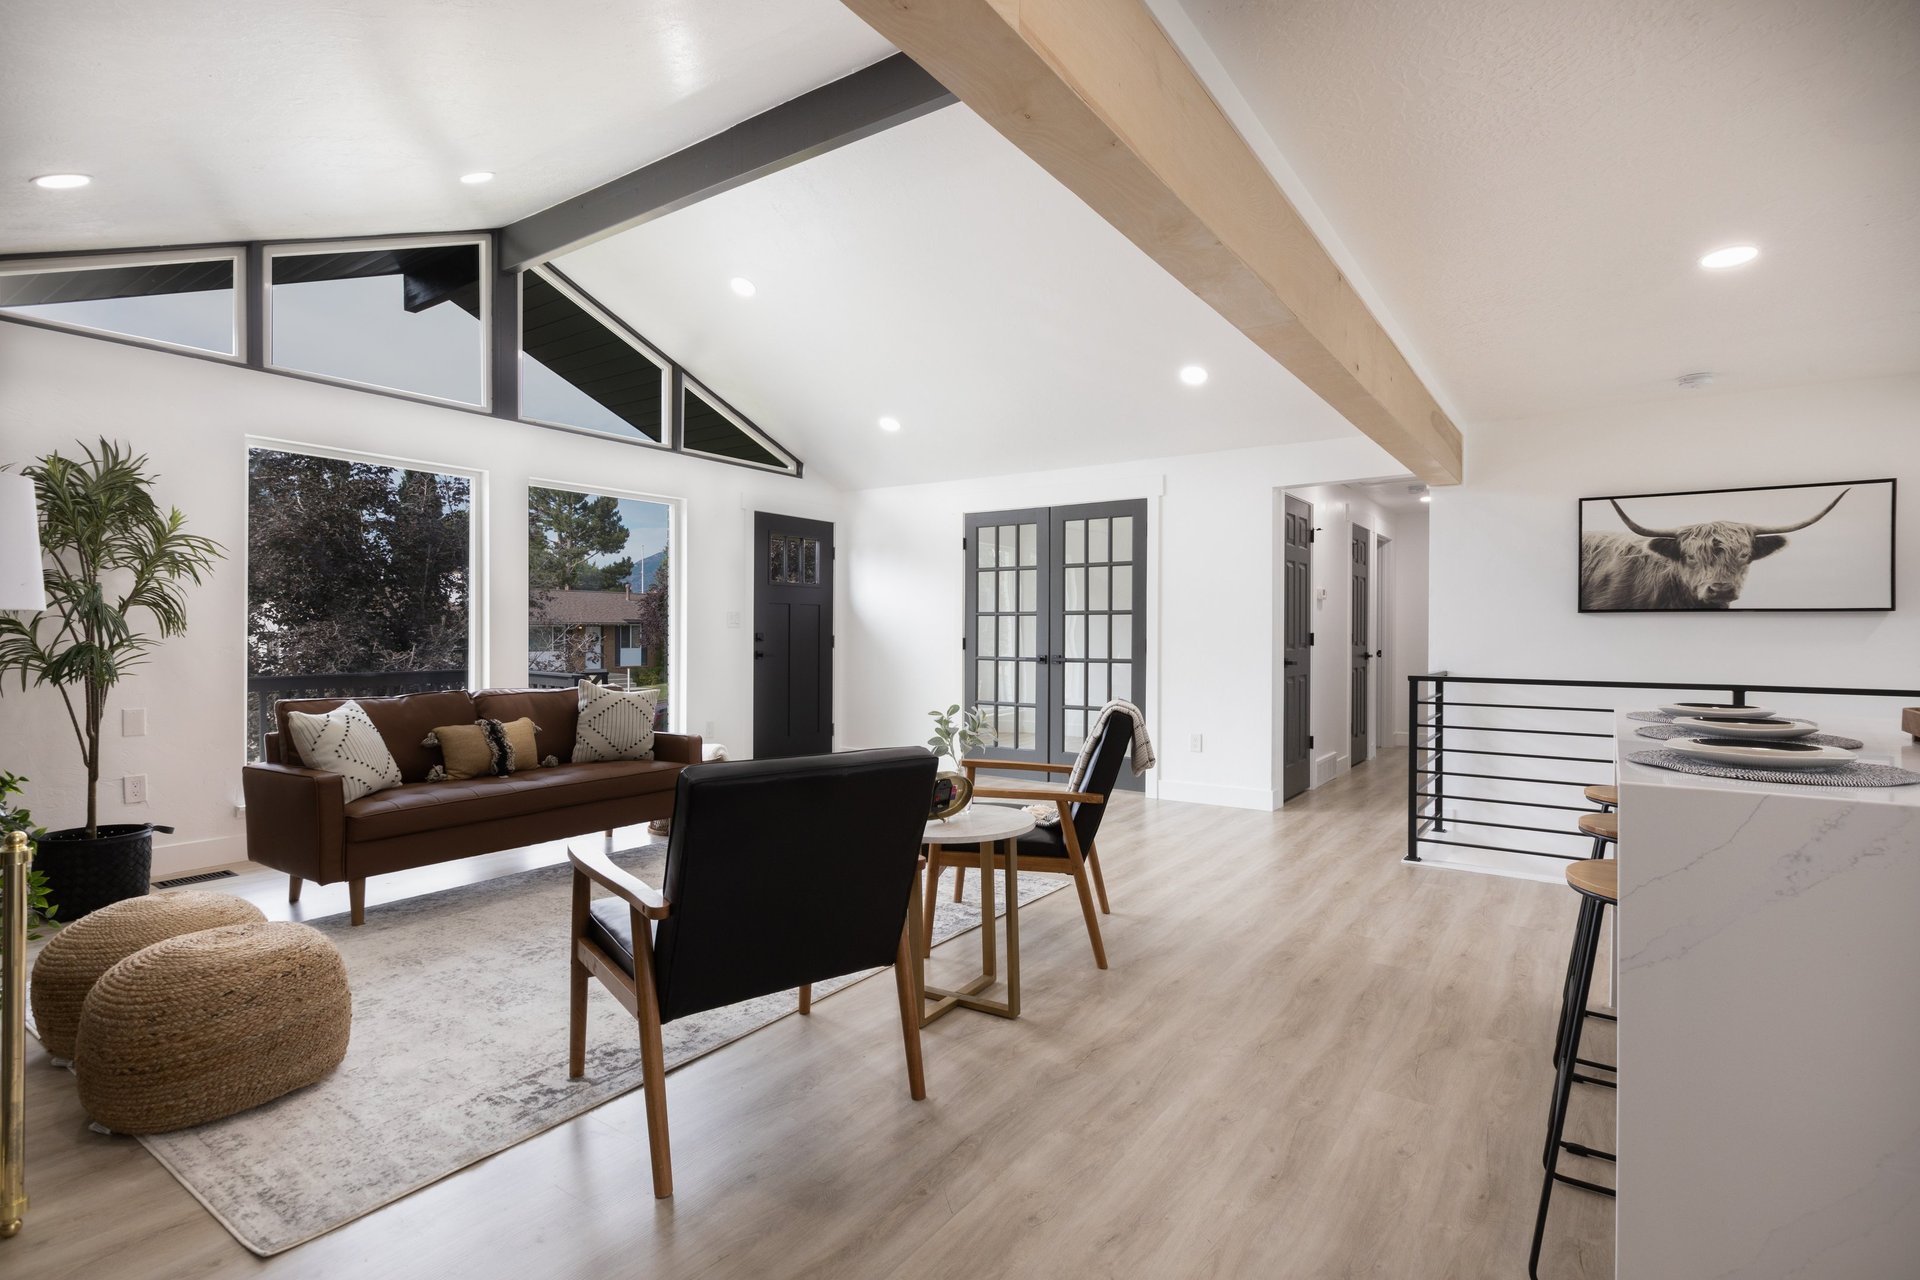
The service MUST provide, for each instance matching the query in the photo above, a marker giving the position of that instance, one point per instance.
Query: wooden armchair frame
(1077, 862)
(639, 995)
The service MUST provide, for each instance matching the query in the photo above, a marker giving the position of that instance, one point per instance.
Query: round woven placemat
(1658, 717)
(205, 1025)
(1818, 739)
(1854, 773)
(74, 958)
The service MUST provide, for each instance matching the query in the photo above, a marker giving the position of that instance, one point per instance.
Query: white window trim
(618, 330)
(236, 254)
(694, 387)
(308, 248)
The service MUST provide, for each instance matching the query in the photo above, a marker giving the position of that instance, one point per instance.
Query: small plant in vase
(955, 734)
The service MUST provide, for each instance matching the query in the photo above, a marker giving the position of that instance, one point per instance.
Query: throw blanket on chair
(1143, 757)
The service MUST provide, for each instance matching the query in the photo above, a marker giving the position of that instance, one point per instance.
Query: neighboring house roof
(586, 609)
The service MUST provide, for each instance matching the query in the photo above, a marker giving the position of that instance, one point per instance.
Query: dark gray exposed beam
(890, 92)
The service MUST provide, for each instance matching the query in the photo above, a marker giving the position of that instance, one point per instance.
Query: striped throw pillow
(344, 741)
(614, 724)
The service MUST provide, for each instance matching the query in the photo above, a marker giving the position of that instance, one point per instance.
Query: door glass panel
(1029, 545)
(1122, 539)
(984, 539)
(1028, 681)
(1009, 592)
(1007, 627)
(1097, 636)
(1123, 635)
(983, 679)
(1076, 548)
(1074, 731)
(986, 593)
(810, 562)
(985, 629)
(1029, 637)
(1123, 681)
(1097, 588)
(1076, 695)
(1029, 739)
(1007, 546)
(1076, 589)
(1076, 636)
(1007, 726)
(1096, 541)
(1096, 684)
(776, 558)
(1122, 587)
(1029, 590)
(1009, 682)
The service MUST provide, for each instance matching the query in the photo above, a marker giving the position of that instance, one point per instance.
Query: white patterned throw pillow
(614, 724)
(344, 741)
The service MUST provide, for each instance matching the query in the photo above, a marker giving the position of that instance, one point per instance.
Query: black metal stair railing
(1442, 798)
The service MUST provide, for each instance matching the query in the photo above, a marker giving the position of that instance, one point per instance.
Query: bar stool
(1604, 794)
(1597, 881)
(1605, 830)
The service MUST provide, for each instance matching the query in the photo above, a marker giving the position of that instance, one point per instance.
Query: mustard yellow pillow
(483, 749)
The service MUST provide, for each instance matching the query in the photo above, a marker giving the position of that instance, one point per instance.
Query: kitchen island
(1769, 1034)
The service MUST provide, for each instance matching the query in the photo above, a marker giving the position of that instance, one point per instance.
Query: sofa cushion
(554, 712)
(402, 721)
(615, 724)
(345, 741)
(485, 748)
(433, 806)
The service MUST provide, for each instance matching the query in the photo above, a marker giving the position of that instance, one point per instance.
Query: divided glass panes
(599, 603)
(793, 560)
(1098, 617)
(358, 581)
(577, 369)
(189, 304)
(1005, 565)
(406, 318)
(710, 428)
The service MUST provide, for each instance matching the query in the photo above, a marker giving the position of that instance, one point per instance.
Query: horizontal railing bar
(1527, 755)
(1503, 777)
(1517, 826)
(1509, 706)
(1525, 804)
(1501, 848)
(1444, 678)
(1551, 733)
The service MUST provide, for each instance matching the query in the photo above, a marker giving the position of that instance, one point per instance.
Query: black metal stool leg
(1587, 948)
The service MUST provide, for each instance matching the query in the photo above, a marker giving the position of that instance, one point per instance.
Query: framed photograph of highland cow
(1786, 547)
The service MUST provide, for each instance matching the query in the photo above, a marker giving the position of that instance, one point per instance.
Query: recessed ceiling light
(475, 179)
(1734, 255)
(1193, 375)
(1426, 497)
(742, 286)
(889, 424)
(61, 181)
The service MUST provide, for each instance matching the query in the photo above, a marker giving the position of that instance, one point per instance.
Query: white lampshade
(21, 584)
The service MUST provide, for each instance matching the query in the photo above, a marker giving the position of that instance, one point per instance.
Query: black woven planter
(84, 875)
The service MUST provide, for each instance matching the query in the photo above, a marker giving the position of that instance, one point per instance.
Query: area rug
(459, 1051)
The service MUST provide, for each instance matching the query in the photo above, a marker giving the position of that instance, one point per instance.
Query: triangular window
(579, 368)
(185, 304)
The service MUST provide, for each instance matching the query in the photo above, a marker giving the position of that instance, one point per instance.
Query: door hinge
(833, 642)
(1312, 534)
(963, 544)
(1309, 639)
(963, 644)
(1309, 742)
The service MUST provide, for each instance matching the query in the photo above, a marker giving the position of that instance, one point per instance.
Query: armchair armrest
(296, 820)
(1028, 766)
(678, 748)
(1014, 791)
(637, 893)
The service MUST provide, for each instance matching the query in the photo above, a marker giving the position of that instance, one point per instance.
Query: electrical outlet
(733, 619)
(1198, 742)
(133, 722)
(133, 788)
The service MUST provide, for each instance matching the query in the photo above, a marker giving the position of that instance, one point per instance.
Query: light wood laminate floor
(1308, 1059)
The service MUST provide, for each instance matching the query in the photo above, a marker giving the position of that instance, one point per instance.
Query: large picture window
(188, 303)
(359, 581)
(599, 601)
(402, 316)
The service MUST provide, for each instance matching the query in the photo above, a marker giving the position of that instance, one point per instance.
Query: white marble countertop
(1884, 744)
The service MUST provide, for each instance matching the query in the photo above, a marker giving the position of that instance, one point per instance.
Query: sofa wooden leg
(806, 998)
(293, 888)
(357, 899)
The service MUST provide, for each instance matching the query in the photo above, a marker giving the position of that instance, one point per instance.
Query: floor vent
(182, 881)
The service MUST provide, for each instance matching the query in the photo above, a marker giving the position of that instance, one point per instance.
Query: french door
(1056, 622)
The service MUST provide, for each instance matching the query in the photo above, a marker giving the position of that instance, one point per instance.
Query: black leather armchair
(780, 873)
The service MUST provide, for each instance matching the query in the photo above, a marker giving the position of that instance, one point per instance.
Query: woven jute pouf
(74, 958)
(209, 1024)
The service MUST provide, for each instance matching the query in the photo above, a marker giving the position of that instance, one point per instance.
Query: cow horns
(1757, 529)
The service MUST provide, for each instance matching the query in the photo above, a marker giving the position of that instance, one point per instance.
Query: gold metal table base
(944, 1000)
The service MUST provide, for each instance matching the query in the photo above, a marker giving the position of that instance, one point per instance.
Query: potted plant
(954, 735)
(115, 562)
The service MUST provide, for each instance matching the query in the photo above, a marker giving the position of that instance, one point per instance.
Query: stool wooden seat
(1604, 793)
(1597, 878)
(1601, 826)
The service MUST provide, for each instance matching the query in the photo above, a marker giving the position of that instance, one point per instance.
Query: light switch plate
(133, 788)
(733, 619)
(1198, 742)
(133, 722)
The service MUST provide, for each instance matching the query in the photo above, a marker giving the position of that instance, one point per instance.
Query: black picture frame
(1642, 597)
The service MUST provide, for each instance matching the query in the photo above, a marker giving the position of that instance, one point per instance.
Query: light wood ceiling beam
(1095, 92)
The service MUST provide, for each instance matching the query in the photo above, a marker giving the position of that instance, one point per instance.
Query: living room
(1020, 351)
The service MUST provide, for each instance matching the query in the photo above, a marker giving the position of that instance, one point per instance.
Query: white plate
(1714, 711)
(1758, 727)
(1762, 755)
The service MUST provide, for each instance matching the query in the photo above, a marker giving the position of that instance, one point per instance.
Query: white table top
(977, 823)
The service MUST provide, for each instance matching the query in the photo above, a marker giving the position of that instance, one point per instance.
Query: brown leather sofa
(299, 821)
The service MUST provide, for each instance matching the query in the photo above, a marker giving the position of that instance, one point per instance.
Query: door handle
(758, 654)
(1292, 662)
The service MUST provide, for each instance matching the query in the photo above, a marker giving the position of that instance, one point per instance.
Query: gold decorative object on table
(952, 792)
(13, 1035)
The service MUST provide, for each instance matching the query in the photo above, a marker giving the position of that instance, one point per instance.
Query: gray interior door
(1360, 701)
(1010, 670)
(792, 636)
(1296, 683)
(1099, 595)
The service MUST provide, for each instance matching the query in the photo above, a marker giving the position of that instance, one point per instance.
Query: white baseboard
(1400, 737)
(189, 856)
(1264, 799)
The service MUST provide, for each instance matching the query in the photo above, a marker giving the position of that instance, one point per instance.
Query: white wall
(1407, 650)
(1504, 562)
(1211, 622)
(194, 419)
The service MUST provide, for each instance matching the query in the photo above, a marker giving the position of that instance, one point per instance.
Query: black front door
(1296, 683)
(1359, 707)
(792, 636)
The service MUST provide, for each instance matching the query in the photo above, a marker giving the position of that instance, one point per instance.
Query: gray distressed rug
(459, 1051)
